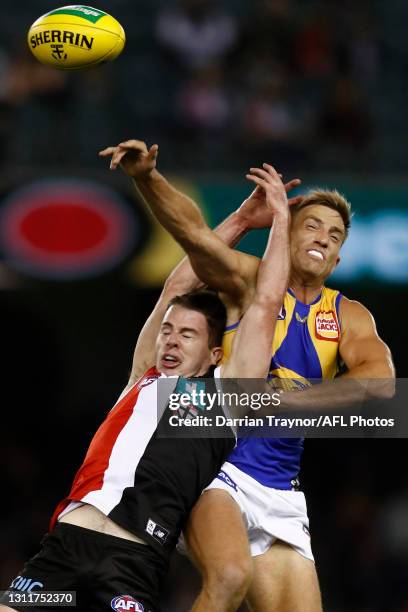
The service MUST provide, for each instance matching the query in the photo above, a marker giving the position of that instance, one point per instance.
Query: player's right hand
(133, 157)
(267, 179)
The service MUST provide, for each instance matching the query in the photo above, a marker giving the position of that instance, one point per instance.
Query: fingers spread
(117, 158)
(260, 172)
(267, 172)
(153, 151)
(137, 145)
(295, 200)
(271, 170)
(292, 184)
(259, 181)
(107, 151)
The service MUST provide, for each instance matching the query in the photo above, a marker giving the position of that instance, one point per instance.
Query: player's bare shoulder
(355, 316)
(360, 342)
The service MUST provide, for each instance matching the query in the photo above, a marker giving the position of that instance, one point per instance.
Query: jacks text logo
(326, 326)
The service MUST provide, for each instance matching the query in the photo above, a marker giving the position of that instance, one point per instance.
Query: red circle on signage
(64, 229)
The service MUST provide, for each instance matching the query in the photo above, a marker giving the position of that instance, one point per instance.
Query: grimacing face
(182, 344)
(316, 236)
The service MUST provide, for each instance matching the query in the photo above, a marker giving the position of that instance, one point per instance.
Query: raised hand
(270, 182)
(256, 213)
(133, 157)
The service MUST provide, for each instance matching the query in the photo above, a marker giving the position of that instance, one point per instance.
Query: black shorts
(99, 567)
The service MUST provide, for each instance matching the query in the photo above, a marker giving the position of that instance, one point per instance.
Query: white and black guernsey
(144, 482)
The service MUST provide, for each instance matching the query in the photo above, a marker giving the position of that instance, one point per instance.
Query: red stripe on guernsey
(90, 475)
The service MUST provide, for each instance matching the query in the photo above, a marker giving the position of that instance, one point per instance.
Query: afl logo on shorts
(326, 326)
(227, 479)
(126, 602)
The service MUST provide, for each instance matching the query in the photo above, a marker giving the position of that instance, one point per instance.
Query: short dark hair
(210, 305)
(330, 198)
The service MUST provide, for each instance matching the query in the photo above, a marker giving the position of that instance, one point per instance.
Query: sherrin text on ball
(76, 36)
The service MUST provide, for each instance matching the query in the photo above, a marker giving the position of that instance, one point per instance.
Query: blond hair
(330, 198)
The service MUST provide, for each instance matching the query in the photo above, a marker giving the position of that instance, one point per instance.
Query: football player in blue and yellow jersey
(256, 494)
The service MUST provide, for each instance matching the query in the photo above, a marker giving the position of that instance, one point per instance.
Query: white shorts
(269, 514)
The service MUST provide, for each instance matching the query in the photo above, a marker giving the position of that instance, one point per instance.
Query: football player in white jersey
(108, 541)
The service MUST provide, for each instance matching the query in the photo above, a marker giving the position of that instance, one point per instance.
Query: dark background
(318, 87)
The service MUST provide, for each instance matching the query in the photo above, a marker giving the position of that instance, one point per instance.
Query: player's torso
(305, 349)
(142, 474)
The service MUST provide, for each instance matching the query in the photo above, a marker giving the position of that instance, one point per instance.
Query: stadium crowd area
(218, 84)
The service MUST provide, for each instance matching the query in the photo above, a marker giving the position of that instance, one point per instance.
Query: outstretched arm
(251, 350)
(252, 213)
(182, 280)
(213, 261)
(216, 264)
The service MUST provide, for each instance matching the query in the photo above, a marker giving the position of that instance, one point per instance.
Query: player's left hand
(270, 182)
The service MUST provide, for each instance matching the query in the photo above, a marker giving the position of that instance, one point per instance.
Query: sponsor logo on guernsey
(300, 319)
(126, 602)
(193, 389)
(147, 381)
(225, 478)
(295, 484)
(196, 387)
(157, 532)
(25, 584)
(282, 314)
(326, 325)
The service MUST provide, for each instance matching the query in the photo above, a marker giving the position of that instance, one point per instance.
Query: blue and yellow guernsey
(305, 347)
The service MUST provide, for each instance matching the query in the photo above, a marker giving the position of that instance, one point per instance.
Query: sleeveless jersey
(140, 477)
(305, 347)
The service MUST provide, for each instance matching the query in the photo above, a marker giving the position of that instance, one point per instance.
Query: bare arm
(370, 372)
(361, 348)
(182, 280)
(251, 350)
(217, 265)
(214, 262)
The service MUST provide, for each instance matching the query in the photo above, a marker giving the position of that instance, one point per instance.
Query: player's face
(182, 344)
(317, 234)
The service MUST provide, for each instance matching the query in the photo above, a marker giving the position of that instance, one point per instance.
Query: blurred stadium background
(318, 89)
